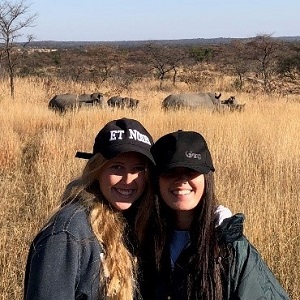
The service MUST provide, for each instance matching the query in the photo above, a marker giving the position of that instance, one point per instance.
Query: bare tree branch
(13, 18)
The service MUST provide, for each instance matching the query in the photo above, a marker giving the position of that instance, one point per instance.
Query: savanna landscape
(256, 152)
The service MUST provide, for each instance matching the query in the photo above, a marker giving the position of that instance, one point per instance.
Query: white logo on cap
(116, 134)
(190, 154)
(136, 135)
(133, 135)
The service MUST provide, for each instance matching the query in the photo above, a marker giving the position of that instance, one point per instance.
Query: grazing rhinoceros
(233, 104)
(64, 102)
(122, 102)
(186, 100)
(209, 101)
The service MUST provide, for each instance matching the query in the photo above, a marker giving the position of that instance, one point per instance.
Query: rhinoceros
(187, 100)
(65, 102)
(233, 105)
(122, 102)
(209, 101)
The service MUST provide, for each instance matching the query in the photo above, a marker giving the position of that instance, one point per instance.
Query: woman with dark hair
(188, 253)
(86, 250)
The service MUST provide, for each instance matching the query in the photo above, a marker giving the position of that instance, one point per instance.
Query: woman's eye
(167, 174)
(139, 169)
(193, 174)
(116, 167)
(174, 174)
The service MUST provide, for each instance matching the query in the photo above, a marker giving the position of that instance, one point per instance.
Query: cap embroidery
(133, 135)
(190, 154)
(136, 135)
(116, 134)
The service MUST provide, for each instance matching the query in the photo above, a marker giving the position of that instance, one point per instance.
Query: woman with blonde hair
(87, 250)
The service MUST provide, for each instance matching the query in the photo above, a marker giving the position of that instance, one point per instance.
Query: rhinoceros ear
(218, 96)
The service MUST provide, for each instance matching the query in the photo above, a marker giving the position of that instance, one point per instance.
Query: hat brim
(112, 152)
(201, 169)
(84, 155)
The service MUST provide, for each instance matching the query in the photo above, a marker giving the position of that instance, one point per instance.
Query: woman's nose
(181, 177)
(128, 177)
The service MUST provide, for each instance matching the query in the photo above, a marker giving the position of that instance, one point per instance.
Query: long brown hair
(207, 277)
(119, 266)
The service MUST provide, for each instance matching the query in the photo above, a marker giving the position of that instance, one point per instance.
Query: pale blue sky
(124, 20)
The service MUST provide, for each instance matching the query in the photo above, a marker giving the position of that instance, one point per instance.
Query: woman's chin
(122, 205)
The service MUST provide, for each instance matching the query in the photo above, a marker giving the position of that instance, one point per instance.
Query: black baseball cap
(182, 149)
(121, 136)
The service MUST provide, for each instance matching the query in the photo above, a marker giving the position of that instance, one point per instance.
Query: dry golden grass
(256, 155)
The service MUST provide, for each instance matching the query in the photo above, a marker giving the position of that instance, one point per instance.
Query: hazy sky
(124, 20)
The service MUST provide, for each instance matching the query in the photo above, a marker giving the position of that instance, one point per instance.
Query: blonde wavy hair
(118, 277)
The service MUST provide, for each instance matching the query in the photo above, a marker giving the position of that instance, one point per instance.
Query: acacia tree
(105, 61)
(13, 18)
(289, 63)
(73, 64)
(237, 60)
(165, 59)
(264, 50)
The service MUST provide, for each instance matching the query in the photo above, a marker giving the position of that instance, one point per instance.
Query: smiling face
(181, 188)
(123, 179)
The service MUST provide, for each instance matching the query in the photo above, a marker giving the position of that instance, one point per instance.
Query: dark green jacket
(249, 276)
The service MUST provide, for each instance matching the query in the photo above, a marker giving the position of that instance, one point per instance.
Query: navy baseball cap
(121, 136)
(182, 149)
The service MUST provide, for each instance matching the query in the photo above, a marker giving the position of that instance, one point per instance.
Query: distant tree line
(260, 59)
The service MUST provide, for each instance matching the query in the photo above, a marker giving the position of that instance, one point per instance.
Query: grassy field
(256, 155)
